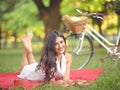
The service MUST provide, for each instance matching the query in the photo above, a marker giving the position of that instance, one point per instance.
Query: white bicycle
(80, 43)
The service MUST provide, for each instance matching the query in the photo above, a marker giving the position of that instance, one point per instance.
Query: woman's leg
(24, 59)
(28, 57)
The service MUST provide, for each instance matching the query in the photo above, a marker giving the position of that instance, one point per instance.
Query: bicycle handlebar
(95, 15)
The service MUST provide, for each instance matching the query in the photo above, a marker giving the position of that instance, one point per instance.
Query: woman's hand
(70, 82)
(63, 83)
(54, 82)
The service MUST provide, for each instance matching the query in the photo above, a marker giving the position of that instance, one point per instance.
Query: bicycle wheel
(79, 59)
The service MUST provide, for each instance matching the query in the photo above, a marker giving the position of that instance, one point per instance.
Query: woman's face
(60, 45)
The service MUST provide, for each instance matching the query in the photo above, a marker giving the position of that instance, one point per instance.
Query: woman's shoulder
(68, 55)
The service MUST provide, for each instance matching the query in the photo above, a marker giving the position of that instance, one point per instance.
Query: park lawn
(109, 80)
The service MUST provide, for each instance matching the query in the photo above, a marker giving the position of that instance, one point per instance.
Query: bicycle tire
(82, 58)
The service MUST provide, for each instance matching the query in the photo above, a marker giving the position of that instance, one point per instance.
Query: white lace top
(61, 69)
(29, 72)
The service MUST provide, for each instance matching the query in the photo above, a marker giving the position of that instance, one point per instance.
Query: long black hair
(48, 59)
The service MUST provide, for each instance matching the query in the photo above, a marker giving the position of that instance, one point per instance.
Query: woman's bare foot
(27, 43)
(71, 82)
(30, 35)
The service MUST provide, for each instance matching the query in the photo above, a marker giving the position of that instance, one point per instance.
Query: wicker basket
(72, 22)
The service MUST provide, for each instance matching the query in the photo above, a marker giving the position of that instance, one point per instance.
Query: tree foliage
(23, 15)
(41, 15)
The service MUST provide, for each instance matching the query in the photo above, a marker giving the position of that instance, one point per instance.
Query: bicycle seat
(72, 21)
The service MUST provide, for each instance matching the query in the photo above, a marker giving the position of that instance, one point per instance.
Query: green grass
(10, 62)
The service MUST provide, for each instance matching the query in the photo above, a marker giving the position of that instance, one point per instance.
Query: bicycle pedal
(102, 60)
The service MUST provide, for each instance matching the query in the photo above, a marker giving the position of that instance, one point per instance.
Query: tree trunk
(5, 40)
(99, 24)
(0, 37)
(15, 41)
(118, 23)
(118, 26)
(100, 27)
(50, 15)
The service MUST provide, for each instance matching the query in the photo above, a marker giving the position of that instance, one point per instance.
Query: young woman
(54, 65)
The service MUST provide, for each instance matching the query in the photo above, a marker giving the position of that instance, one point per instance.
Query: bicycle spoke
(80, 57)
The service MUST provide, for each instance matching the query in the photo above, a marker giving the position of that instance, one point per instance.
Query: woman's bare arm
(68, 67)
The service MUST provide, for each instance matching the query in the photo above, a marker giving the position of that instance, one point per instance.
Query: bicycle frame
(98, 40)
(85, 45)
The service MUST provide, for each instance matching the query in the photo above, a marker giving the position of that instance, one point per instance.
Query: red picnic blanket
(10, 79)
